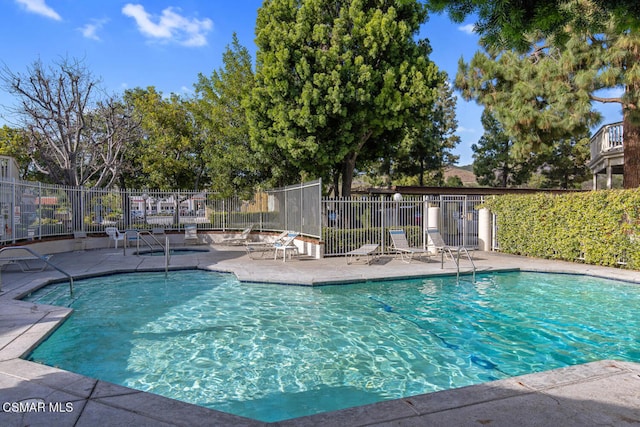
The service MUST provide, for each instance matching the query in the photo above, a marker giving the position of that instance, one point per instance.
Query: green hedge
(599, 227)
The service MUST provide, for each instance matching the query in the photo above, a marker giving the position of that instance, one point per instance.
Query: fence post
(39, 227)
(12, 212)
(320, 212)
(423, 223)
(382, 245)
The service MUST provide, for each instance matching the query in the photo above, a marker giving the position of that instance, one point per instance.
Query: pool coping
(25, 324)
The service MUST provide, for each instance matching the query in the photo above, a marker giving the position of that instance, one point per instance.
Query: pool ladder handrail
(165, 247)
(141, 235)
(41, 257)
(167, 256)
(457, 261)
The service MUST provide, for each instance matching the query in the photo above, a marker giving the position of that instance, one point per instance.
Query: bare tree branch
(77, 135)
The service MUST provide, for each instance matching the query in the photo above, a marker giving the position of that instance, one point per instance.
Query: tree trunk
(505, 176)
(336, 183)
(631, 132)
(349, 166)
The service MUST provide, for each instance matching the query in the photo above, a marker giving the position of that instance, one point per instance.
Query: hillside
(465, 174)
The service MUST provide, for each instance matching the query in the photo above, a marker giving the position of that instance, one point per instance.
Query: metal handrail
(147, 233)
(44, 259)
(165, 247)
(457, 261)
(167, 256)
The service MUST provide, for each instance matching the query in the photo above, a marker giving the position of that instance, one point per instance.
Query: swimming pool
(274, 352)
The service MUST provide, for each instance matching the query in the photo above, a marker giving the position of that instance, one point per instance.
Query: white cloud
(170, 26)
(467, 29)
(91, 29)
(39, 7)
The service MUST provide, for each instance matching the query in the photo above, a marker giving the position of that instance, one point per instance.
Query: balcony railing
(608, 138)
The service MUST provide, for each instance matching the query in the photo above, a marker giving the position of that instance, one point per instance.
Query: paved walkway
(600, 393)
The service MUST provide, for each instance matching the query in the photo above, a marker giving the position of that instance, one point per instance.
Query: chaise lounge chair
(284, 243)
(437, 242)
(25, 262)
(261, 248)
(239, 240)
(400, 244)
(367, 251)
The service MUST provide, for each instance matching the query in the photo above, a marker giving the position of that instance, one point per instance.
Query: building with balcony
(607, 153)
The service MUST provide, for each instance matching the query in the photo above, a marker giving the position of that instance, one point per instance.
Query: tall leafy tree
(565, 164)
(170, 154)
(332, 76)
(506, 23)
(427, 148)
(543, 89)
(76, 135)
(219, 109)
(493, 163)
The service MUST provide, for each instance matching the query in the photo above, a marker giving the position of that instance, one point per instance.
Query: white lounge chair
(238, 240)
(25, 262)
(437, 242)
(367, 251)
(261, 248)
(400, 244)
(115, 235)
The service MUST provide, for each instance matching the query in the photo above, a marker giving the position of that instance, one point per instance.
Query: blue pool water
(274, 352)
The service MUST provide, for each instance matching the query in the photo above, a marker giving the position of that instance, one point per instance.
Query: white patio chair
(286, 245)
(115, 235)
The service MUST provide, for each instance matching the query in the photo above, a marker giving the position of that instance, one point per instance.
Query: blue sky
(167, 43)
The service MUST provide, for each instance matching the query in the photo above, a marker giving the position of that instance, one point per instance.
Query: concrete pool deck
(598, 393)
